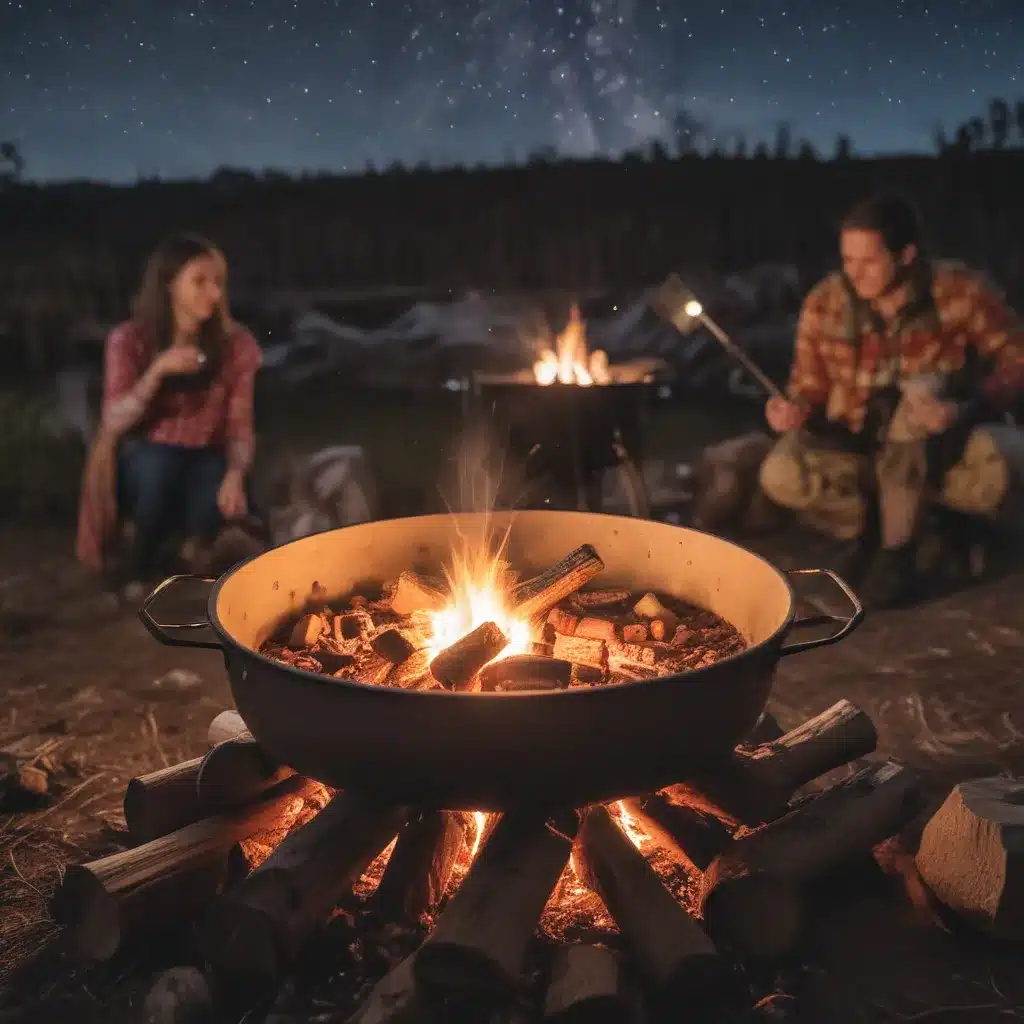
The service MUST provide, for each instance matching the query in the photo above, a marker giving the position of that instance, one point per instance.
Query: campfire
(479, 628)
(569, 362)
(516, 916)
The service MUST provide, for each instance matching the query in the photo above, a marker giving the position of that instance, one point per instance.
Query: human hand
(783, 415)
(180, 359)
(231, 500)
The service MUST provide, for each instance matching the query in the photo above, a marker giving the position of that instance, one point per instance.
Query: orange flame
(569, 362)
(480, 593)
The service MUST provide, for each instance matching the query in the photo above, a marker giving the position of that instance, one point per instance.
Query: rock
(178, 679)
(972, 854)
(179, 996)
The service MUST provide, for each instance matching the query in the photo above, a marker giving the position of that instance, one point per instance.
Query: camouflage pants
(829, 488)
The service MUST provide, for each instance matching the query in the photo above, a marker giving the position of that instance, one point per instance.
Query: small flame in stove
(568, 362)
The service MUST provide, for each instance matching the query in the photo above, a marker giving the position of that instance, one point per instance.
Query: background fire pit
(564, 437)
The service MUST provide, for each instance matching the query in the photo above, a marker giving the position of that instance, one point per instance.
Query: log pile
(670, 891)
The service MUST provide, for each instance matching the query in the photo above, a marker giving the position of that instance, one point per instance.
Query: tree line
(1000, 127)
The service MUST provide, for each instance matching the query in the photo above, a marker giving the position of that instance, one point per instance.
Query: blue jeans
(166, 490)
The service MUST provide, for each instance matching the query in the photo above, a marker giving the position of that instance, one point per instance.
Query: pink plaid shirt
(221, 415)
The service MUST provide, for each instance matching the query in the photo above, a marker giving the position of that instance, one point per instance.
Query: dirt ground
(103, 701)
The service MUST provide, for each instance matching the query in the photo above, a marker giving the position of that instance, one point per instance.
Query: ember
(480, 628)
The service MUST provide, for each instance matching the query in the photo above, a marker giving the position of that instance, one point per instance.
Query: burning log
(586, 984)
(562, 622)
(254, 932)
(670, 947)
(421, 865)
(526, 672)
(167, 880)
(692, 834)
(479, 944)
(635, 633)
(538, 595)
(413, 592)
(396, 645)
(753, 894)
(755, 786)
(411, 673)
(580, 651)
(456, 666)
(590, 599)
(596, 629)
(352, 626)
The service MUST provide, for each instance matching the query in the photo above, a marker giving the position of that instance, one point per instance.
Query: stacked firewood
(261, 857)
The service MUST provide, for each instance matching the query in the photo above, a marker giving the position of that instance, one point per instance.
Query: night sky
(111, 89)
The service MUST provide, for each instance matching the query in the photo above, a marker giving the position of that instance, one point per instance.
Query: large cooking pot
(492, 750)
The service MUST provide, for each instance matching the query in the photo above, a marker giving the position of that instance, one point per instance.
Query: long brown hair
(154, 316)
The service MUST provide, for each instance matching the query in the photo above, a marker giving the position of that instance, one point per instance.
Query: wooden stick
(756, 785)
(670, 947)
(586, 985)
(254, 933)
(479, 944)
(456, 666)
(753, 894)
(538, 595)
(421, 865)
(165, 881)
(526, 672)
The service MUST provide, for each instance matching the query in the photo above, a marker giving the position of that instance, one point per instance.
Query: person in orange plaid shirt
(903, 375)
(175, 444)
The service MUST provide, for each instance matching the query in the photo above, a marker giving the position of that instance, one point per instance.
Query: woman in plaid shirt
(175, 443)
(903, 375)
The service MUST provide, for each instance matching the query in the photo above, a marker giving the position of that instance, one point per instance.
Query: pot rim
(774, 640)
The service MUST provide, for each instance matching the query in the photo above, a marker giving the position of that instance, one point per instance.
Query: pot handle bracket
(849, 623)
(166, 632)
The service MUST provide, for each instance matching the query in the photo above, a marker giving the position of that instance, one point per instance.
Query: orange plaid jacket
(842, 354)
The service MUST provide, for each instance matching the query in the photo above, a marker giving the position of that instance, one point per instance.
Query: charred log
(670, 948)
(455, 667)
(478, 946)
(165, 881)
(754, 894)
(756, 785)
(256, 930)
(526, 672)
(536, 596)
(586, 985)
(420, 867)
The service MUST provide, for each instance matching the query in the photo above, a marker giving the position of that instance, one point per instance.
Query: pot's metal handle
(165, 632)
(849, 624)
